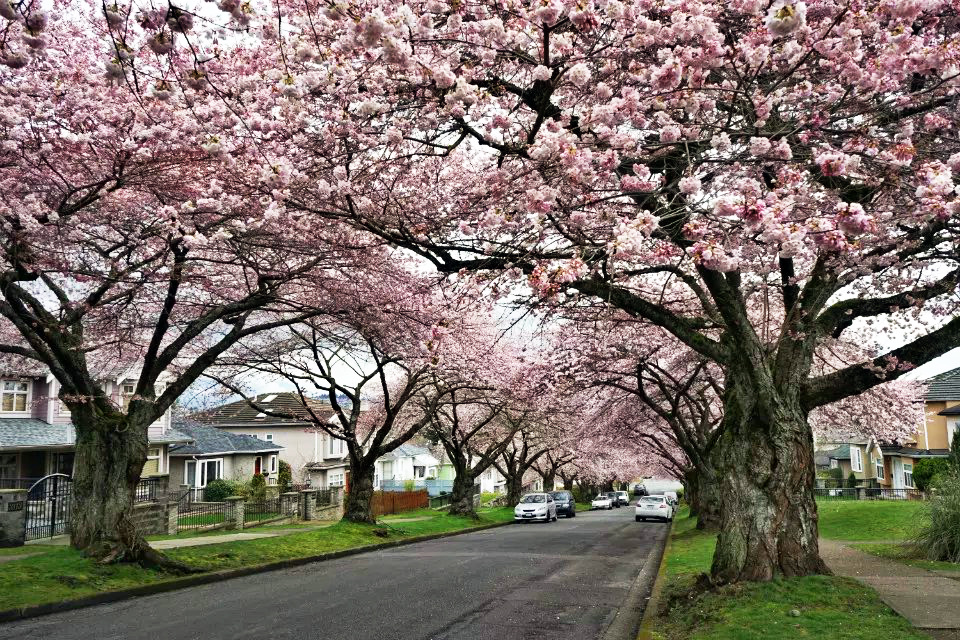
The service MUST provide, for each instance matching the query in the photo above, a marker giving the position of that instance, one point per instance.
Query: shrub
(409, 485)
(939, 537)
(852, 479)
(218, 491)
(284, 476)
(927, 470)
(258, 487)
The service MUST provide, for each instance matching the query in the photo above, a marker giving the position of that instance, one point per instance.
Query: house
(38, 439)
(313, 455)
(861, 457)
(492, 481)
(214, 454)
(408, 463)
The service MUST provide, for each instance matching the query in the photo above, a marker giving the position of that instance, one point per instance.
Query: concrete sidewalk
(929, 601)
(176, 543)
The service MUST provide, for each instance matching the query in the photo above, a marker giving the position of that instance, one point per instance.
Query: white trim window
(387, 469)
(879, 468)
(273, 464)
(953, 427)
(834, 463)
(15, 397)
(856, 460)
(199, 473)
(127, 390)
(335, 446)
(268, 437)
(908, 474)
(335, 478)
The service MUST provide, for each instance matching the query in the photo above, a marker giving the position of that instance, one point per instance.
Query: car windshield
(602, 496)
(536, 497)
(560, 495)
(651, 500)
(612, 494)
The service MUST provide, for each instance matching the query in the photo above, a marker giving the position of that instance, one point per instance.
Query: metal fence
(867, 493)
(148, 490)
(48, 507)
(324, 498)
(261, 510)
(192, 514)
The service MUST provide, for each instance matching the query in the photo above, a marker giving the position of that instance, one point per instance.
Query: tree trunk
(461, 500)
(359, 506)
(703, 497)
(765, 471)
(110, 454)
(549, 479)
(514, 489)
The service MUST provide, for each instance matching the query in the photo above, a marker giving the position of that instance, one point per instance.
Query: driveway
(566, 579)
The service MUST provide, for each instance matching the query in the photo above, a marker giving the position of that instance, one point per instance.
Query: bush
(409, 485)
(284, 476)
(939, 537)
(852, 479)
(258, 487)
(218, 491)
(834, 473)
(927, 470)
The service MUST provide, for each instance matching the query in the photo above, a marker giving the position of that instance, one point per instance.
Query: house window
(15, 396)
(8, 467)
(880, 468)
(856, 460)
(335, 479)
(199, 473)
(127, 390)
(418, 472)
(273, 464)
(269, 437)
(388, 470)
(62, 463)
(334, 446)
(834, 463)
(908, 475)
(490, 474)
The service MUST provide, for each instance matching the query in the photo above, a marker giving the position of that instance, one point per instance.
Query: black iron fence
(148, 490)
(261, 510)
(193, 514)
(324, 498)
(48, 507)
(867, 493)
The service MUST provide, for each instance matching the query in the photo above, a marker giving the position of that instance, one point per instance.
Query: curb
(653, 602)
(35, 611)
(625, 627)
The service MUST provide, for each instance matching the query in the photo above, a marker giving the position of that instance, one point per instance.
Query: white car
(602, 501)
(536, 506)
(672, 497)
(654, 507)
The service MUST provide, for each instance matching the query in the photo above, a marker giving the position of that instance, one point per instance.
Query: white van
(671, 496)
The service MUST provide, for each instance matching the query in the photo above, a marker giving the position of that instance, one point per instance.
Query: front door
(257, 465)
(897, 478)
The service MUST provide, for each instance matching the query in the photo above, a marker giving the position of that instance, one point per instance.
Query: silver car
(536, 506)
(654, 508)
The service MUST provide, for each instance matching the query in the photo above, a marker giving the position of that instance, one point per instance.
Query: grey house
(216, 454)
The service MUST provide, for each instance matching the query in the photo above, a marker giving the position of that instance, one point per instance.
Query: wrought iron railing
(192, 514)
(148, 490)
(260, 510)
(867, 493)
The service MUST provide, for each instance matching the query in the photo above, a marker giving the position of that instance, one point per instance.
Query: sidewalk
(929, 601)
(177, 543)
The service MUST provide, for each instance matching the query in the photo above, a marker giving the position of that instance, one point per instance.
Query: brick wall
(151, 518)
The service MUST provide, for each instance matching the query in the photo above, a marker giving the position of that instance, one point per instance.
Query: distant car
(614, 498)
(639, 490)
(536, 506)
(602, 501)
(654, 507)
(565, 502)
(623, 498)
(672, 497)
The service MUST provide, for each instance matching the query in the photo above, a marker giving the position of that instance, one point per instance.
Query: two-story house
(36, 434)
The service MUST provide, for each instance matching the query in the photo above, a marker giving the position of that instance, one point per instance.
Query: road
(566, 579)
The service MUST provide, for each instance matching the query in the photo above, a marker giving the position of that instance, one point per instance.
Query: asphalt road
(566, 579)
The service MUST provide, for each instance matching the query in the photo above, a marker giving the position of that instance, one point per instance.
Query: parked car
(565, 502)
(639, 490)
(602, 501)
(614, 498)
(654, 507)
(623, 498)
(536, 506)
(672, 497)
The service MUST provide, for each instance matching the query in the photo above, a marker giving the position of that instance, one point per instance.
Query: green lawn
(866, 520)
(60, 573)
(830, 607)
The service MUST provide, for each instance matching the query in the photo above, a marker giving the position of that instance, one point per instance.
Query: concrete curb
(35, 611)
(653, 602)
(624, 626)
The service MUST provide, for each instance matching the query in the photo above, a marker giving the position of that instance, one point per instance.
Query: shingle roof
(951, 411)
(910, 452)
(241, 414)
(945, 386)
(30, 433)
(840, 453)
(207, 440)
(407, 450)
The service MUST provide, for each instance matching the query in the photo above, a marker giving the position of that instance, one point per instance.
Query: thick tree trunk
(359, 507)
(702, 494)
(549, 479)
(514, 489)
(461, 499)
(110, 454)
(765, 471)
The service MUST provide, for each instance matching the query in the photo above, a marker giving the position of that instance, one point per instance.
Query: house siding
(298, 445)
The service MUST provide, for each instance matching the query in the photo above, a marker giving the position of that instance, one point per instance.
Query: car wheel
(638, 518)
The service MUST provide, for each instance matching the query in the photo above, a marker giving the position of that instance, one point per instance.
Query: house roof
(407, 451)
(910, 452)
(327, 464)
(839, 453)
(945, 386)
(951, 411)
(241, 414)
(206, 440)
(30, 433)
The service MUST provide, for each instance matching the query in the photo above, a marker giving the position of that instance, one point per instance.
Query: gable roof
(241, 414)
(407, 451)
(945, 386)
(209, 440)
(30, 433)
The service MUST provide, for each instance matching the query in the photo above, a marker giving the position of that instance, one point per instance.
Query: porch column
(308, 504)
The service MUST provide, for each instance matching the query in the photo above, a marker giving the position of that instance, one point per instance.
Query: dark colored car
(566, 505)
(614, 498)
(639, 490)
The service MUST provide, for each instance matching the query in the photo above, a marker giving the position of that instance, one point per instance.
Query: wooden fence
(385, 502)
